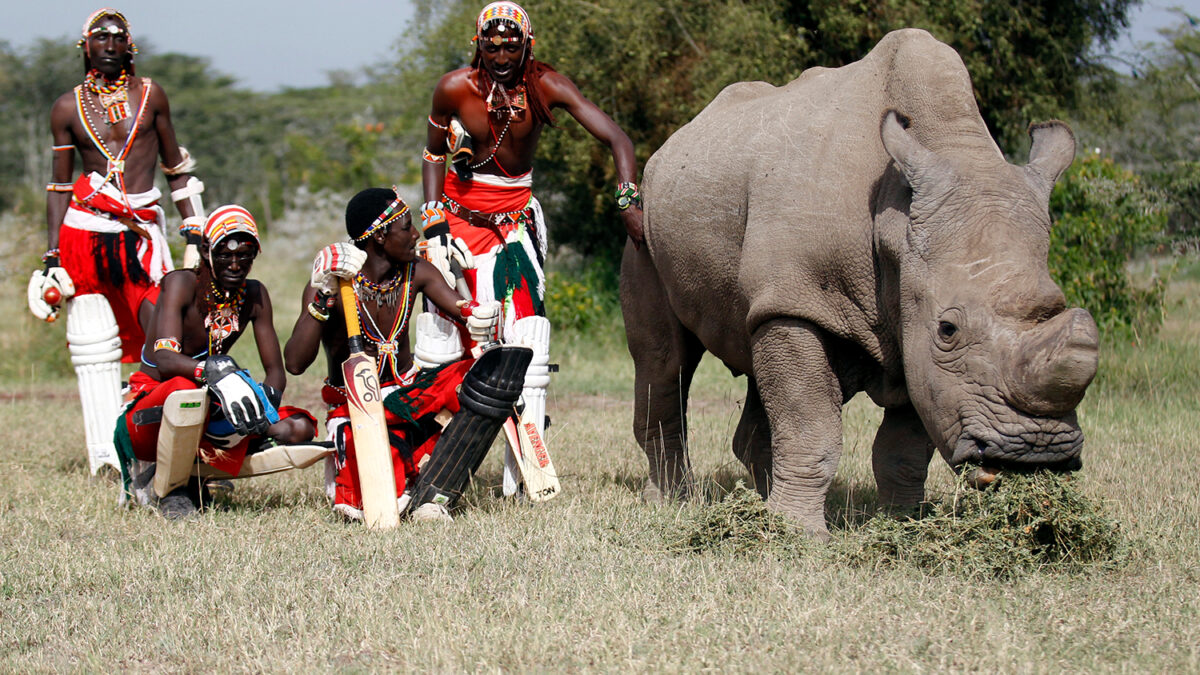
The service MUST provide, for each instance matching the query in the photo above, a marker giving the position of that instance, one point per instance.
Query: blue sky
(270, 44)
(266, 45)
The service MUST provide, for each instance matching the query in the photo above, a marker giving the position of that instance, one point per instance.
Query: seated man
(200, 314)
(387, 275)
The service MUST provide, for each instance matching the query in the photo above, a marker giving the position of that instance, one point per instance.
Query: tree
(653, 66)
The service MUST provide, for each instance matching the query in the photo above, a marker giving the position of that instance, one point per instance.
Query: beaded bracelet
(170, 344)
(52, 253)
(198, 373)
(59, 187)
(628, 195)
(191, 225)
(428, 156)
(316, 313)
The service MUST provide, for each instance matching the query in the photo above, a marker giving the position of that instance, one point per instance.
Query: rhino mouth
(1055, 446)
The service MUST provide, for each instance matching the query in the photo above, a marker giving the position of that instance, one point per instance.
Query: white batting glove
(482, 319)
(340, 260)
(54, 281)
(442, 250)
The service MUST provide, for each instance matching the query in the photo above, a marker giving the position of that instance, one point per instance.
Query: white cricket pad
(94, 342)
(437, 341)
(534, 332)
(179, 436)
(272, 460)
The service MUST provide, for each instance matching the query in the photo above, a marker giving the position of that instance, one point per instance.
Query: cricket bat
(537, 471)
(375, 474)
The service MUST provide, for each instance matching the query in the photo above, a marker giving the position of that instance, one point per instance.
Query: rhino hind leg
(802, 396)
(752, 440)
(665, 356)
(900, 458)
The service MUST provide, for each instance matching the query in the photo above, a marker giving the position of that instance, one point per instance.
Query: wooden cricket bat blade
(376, 479)
(537, 471)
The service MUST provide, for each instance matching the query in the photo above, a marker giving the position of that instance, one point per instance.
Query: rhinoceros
(856, 229)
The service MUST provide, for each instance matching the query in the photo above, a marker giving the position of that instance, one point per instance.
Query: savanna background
(272, 580)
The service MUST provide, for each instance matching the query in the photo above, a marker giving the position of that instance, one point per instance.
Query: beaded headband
(503, 11)
(229, 220)
(89, 27)
(390, 215)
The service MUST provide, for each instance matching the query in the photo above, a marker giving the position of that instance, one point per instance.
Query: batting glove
(242, 400)
(441, 250)
(340, 260)
(482, 320)
(53, 279)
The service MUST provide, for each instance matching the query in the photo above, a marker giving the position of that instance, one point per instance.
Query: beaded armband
(628, 195)
(432, 158)
(433, 219)
(198, 373)
(61, 148)
(52, 253)
(169, 343)
(58, 187)
(435, 125)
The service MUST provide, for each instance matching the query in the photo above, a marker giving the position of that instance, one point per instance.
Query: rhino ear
(924, 171)
(1052, 152)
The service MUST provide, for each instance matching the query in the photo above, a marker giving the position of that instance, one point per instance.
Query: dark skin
(388, 253)
(107, 53)
(180, 314)
(458, 94)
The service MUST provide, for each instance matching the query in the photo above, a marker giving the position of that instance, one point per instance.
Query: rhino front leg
(665, 356)
(752, 440)
(803, 400)
(900, 458)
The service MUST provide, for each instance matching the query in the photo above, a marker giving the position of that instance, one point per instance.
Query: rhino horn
(924, 171)
(1054, 364)
(1052, 152)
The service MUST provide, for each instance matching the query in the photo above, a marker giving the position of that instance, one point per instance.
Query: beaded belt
(481, 218)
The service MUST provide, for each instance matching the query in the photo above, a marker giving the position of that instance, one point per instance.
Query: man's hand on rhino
(632, 218)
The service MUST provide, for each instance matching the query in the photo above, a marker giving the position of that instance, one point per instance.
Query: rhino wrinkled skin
(856, 230)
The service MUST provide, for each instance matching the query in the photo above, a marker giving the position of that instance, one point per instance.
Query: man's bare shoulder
(557, 87)
(151, 88)
(64, 105)
(457, 81)
(180, 279)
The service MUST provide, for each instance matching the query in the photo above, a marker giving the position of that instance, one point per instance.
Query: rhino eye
(947, 330)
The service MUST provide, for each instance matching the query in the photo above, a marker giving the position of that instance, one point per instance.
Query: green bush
(1103, 216)
(581, 298)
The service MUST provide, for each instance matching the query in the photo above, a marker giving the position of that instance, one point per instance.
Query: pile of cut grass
(1021, 523)
(740, 524)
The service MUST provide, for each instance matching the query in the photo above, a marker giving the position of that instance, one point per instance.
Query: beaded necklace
(116, 163)
(114, 97)
(385, 293)
(512, 105)
(365, 289)
(222, 317)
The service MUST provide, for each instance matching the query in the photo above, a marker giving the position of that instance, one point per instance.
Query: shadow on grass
(76, 463)
(849, 505)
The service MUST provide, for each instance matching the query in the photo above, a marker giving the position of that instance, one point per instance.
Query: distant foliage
(581, 299)
(1103, 216)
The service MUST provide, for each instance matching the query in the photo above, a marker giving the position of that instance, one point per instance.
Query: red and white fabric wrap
(96, 205)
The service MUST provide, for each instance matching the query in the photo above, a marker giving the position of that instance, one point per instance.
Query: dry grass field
(271, 580)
